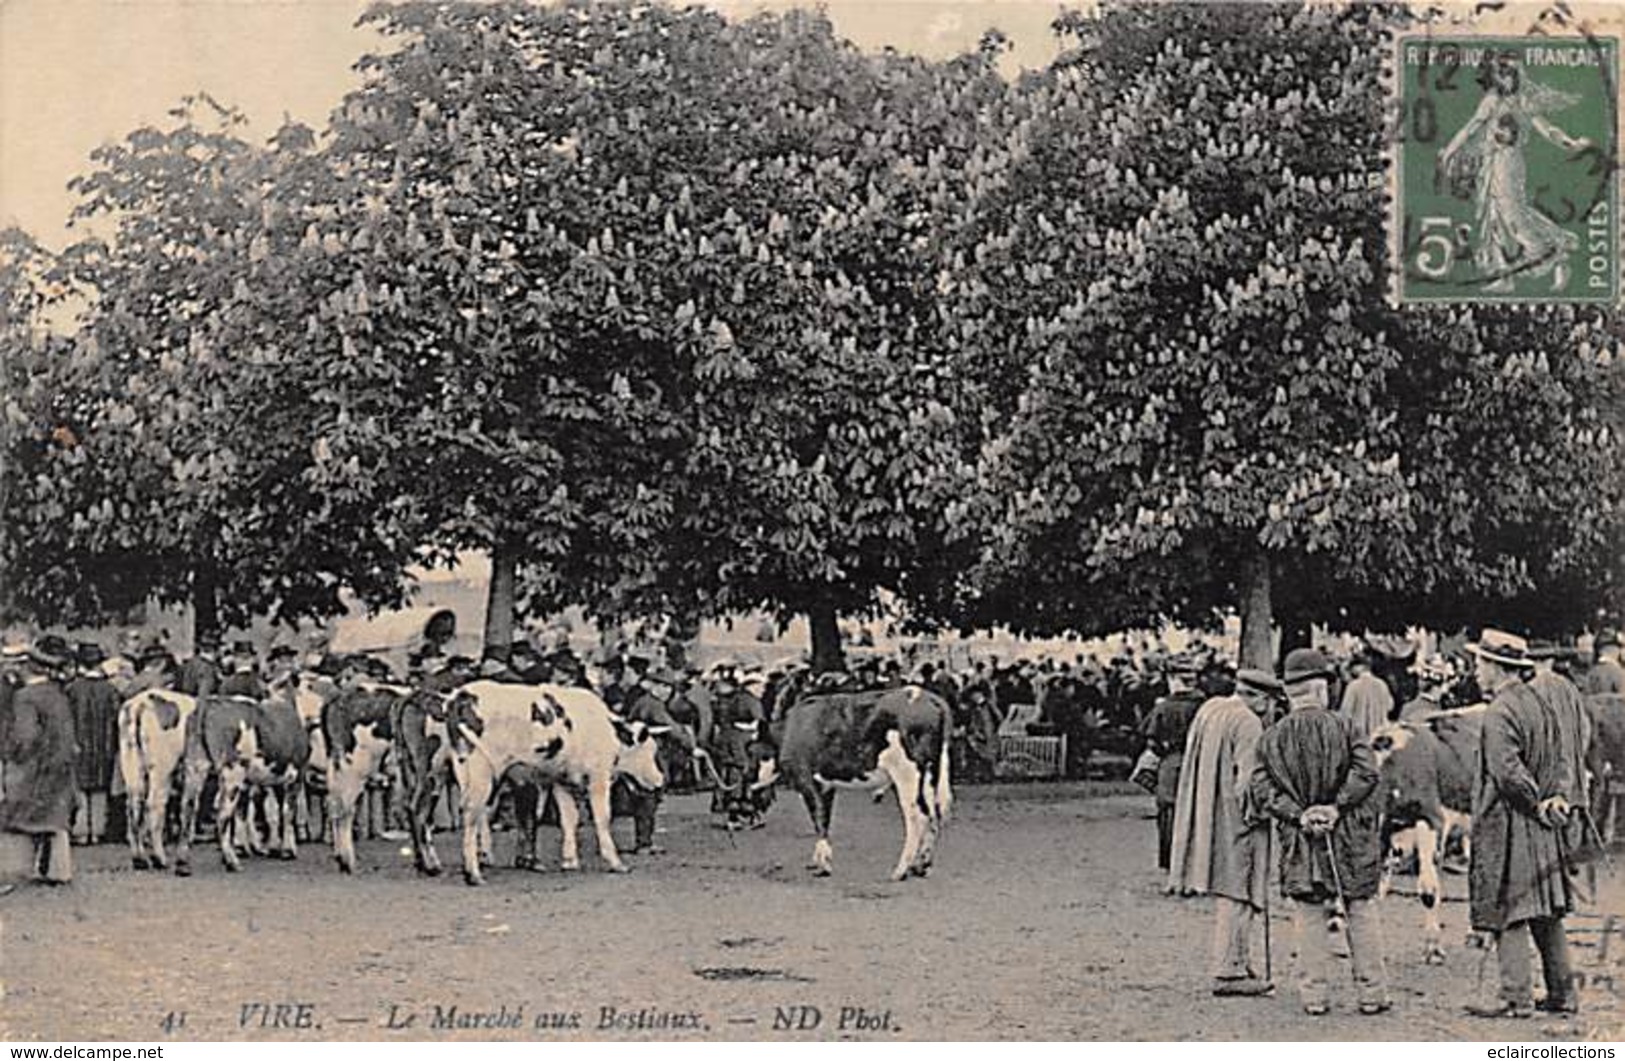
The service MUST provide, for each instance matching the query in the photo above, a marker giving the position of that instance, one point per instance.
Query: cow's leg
(227, 798)
(1427, 885)
(820, 801)
(905, 778)
(289, 795)
(526, 797)
(194, 776)
(475, 782)
(345, 779)
(135, 810)
(598, 802)
(569, 824)
(134, 774)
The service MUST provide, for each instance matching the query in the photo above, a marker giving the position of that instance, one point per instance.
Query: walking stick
(1269, 834)
(1342, 908)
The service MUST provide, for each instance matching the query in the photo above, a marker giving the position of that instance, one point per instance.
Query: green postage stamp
(1506, 156)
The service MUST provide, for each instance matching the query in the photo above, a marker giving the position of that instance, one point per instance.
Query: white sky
(78, 73)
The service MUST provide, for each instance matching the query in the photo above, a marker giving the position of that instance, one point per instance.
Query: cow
(357, 731)
(548, 735)
(422, 751)
(245, 744)
(1428, 768)
(152, 745)
(896, 738)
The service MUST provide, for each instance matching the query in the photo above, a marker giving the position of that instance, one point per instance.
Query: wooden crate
(1031, 757)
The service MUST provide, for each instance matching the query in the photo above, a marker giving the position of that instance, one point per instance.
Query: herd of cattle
(472, 740)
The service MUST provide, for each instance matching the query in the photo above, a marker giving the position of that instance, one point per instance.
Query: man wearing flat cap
(39, 757)
(1518, 883)
(1606, 676)
(1316, 776)
(1219, 846)
(1367, 700)
(1165, 730)
(244, 677)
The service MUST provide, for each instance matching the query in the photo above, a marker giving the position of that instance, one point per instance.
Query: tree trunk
(826, 638)
(499, 600)
(1257, 649)
(205, 603)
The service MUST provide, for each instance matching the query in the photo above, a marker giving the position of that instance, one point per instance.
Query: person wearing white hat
(1518, 884)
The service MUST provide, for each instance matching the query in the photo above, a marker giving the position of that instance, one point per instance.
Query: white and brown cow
(895, 738)
(245, 744)
(151, 747)
(357, 731)
(1428, 769)
(551, 736)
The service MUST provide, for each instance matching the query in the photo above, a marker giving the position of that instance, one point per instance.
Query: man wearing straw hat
(40, 756)
(1317, 778)
(1219, 847)
(1518, 884)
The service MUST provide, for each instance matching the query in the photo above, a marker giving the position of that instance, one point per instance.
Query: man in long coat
(1317, 777)
(1367, 700)
(1518, 884)
(95, 727)
(39, 756)
(1165, 730)
(1219, 847)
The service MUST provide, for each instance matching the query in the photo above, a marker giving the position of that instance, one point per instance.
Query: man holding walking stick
(1518, 883)
(1317, 778)
(1220, 847)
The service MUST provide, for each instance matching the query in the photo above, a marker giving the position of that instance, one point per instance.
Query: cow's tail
(944, 796)
(132, 757)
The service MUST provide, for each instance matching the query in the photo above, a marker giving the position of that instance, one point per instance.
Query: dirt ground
(1044, 919)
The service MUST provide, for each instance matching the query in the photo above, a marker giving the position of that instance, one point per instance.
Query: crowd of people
(1238, 762)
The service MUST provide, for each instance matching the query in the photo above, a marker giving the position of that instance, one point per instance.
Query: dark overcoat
(39, 759)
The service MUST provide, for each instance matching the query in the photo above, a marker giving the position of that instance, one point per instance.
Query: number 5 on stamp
(1506, 158)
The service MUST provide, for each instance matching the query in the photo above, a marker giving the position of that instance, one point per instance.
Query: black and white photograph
(554, 521)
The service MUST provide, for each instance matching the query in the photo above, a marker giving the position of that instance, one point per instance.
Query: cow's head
(635, 754)
(1387, 740)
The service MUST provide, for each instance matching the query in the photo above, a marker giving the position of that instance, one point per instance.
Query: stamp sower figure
(1220, 847)
(1518, 884)
(39, 757)
(1513, 236)
(95, 727)
(1316, 776)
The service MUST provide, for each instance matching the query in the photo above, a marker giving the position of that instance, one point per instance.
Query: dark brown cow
(423, 756)
(244, 743)
(894, 738)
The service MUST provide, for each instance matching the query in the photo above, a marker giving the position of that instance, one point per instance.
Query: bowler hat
(50, 651)
(1251, 678)
(89, 654)
(1303, 664)
(1498, 646)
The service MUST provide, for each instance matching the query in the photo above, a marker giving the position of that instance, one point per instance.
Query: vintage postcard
(869, 520)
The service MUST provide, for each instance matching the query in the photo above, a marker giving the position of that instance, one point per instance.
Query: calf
(553, 735)
(152, 745)
(245, 744)
(871, 740)
(357, 729)
(1428, 771)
